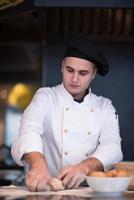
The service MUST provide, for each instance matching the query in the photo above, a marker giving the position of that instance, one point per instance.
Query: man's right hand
(38, 176)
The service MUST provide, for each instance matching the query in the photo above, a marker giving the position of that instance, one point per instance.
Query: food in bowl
(110, 173)
(97, 174)
(113, 181)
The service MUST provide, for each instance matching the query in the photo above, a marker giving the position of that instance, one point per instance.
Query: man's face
(77, 75)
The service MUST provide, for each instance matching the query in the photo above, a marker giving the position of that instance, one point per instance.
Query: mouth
(73, 86)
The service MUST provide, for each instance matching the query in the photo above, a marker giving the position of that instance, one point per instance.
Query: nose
(75, 78)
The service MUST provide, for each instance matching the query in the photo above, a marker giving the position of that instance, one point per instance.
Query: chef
(67, 131)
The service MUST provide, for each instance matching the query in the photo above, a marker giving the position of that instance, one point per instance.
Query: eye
(69, 69)
(83, 73)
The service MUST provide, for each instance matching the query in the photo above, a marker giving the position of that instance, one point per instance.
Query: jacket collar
(69, 98)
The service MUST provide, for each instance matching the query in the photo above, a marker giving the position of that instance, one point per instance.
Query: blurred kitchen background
(32, 35)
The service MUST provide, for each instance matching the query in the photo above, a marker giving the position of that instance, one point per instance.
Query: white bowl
(109, 184)
(129, 167)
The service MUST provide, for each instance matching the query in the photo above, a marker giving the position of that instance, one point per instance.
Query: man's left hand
(72, 176)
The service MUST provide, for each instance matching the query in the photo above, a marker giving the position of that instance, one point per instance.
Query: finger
(72, 182)
(32, 186)
(67, 179)
(75, 181)
(42, 186)
(31, 183)
(78, 182)
(62, 174)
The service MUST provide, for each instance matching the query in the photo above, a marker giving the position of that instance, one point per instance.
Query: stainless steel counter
(81, 194)
(66, 197)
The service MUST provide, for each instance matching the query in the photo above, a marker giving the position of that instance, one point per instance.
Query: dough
(97, 174)
(57, 185)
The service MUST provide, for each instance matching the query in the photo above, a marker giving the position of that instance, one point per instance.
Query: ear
(62, 66)
(94, 72)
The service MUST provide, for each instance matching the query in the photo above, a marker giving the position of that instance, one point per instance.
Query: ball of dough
(111, 173)
(98, 174)
(56, 184)
(121, 173)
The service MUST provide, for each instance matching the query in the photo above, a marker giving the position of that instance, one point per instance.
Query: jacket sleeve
(109, 148)
(31, 128)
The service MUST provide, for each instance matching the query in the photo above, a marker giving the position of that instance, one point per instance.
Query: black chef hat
(79, 46)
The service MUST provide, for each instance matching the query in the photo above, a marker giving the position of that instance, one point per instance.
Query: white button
(65, 131)
(89, 132)
(66, 153)
(91, 110)
(67, 109)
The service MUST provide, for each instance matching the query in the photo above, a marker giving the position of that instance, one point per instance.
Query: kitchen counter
(7, 193)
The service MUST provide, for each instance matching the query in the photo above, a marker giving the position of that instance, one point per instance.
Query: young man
(67, 131)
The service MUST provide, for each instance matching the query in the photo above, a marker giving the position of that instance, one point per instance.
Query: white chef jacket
(68, 132)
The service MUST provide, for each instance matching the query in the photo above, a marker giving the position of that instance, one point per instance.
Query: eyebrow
(82, 70)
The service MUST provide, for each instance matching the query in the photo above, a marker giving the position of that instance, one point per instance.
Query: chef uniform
(65, 131)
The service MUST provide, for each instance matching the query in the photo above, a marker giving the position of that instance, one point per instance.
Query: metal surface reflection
(55, 197)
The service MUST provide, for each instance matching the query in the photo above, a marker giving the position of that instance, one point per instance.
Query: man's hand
(72, 176)
(38, 176)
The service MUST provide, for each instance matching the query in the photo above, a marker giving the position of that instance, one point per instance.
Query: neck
(81, 96)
